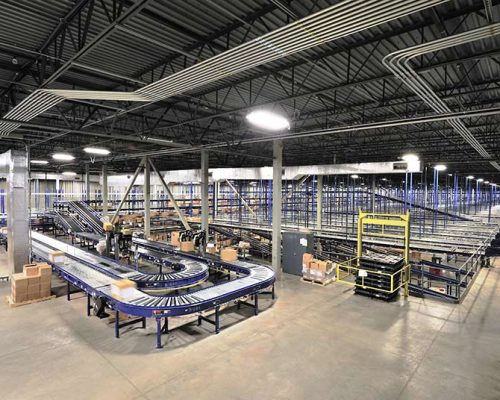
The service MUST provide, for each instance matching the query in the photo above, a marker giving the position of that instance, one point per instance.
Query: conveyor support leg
(117, 324)
(88, 305)
(158, 333)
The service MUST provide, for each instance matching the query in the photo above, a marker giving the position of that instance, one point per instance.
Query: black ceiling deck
(101, 45)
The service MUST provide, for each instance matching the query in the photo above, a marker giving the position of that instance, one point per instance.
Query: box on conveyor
(123, 289)
(229, 254)
(174, 238)
(56, 257)
(211, 249)
(187, 246)
(244, 245)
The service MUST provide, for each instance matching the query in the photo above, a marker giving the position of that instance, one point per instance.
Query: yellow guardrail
(348, 271)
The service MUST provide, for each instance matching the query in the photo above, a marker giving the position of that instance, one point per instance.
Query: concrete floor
(313, 343)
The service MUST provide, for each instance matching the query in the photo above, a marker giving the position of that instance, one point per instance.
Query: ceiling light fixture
(268, 120)
(354, 176)
(69, 173)
(470, 177)
(96, 150)
(39, 162)
(480, 180)
(410, 157)
(440, 167)
(63, 157)
(486, 182)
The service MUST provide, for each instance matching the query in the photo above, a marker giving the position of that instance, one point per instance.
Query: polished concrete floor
(312, 343)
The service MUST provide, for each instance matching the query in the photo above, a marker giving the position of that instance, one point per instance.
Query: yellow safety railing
(351, 268)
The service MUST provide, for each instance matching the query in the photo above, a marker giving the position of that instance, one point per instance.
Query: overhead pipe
(331, 131)
(399, 63)
(342, 19)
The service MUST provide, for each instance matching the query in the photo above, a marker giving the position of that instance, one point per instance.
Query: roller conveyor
(88, 215)
(95, 276)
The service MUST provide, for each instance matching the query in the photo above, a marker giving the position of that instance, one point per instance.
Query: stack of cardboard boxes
(317, 270)
(31, 284)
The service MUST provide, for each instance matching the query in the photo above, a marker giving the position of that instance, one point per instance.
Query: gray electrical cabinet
(295, 244)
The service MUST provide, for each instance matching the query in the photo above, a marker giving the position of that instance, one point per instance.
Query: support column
(373, 193)
(319, 201)
(277, 175)
(87, 182)
(14, 167)
(104, 190)
(204, 192)
(147, 199)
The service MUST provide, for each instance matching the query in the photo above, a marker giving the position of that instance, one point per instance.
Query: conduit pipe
(399, 63)
(342, 19)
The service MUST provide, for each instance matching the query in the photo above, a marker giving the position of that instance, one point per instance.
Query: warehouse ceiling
(125, 45)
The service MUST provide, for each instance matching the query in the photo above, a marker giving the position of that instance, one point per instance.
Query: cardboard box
(19, 297)
(306, 260)
(211, 249)
(33, 281)
(229, 254)
(314, 264)
(45, 270)
(123, 289)
(243, 245)
(34, 288)
(19, 281)
(174, 238)
(187, 246)
(45, 292)
(56, 257)
(30, 270)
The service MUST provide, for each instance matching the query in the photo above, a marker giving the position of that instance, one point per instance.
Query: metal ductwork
(399, 63)
(340, 20)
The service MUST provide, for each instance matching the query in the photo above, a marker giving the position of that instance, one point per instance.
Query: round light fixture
(486, 182)
(354, 176)
(440, 167)
(410, 157)
(96, 150)
(39, 162)
(63, 157)
(69, 173)
(480, 180)
(470, 177)
(268, 120)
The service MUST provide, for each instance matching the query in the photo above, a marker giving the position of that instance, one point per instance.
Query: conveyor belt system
(95, 274)
(88, 215)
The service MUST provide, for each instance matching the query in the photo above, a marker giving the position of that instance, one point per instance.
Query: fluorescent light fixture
(69, 173)
(410, 157)
(268, 120)
(440, 167)
(486, 182)
(470, 177)
(384, 179)
(39, 162)
(450, 174)
(63, 157)
(480, 180)
(354, 176)
(96, 150)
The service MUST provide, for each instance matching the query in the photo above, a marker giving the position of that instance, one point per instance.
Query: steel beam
(277, 205)
(204, 192)
(147, 199)
(104, 190)
(319, 201)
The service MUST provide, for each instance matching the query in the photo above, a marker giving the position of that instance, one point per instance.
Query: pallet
(11, 303)
(318, 282)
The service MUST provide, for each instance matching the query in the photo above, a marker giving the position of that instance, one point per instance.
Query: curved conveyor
(95, 274)
(189, 272)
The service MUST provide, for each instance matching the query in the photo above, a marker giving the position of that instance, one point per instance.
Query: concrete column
(319, 201)
(277, 197)
(204, 192)
(14, 167)
(147, 198)
(87, 181)
(104, 189)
